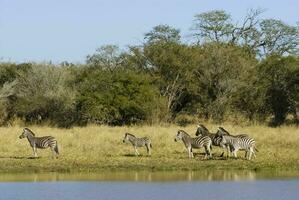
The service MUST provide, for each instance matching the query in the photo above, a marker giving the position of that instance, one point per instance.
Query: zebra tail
(56, 148)
(151, 145)
(256, 149)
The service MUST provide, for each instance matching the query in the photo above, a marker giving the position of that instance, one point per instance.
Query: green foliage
(163, 33)
(119, 97)
(218, 74)
(247, 70)
(278, 37)
(213, 26)
(275, 74)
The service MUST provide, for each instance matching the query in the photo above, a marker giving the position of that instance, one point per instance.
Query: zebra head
(222, 131)
(127, 137)
(25, 133)
(201, 130)
(179, 136)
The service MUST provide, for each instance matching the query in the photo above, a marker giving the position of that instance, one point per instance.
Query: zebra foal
(40, 142)
(194, 143)
(138, 142)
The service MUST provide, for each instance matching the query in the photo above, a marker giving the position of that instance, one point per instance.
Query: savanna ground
(100, 148)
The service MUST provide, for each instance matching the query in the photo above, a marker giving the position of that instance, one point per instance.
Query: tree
(264, 37)
(163, 33)
(217, 76)
(42, 92)
(278, 37)
(213, 26)
(171, 66)
(277, 75)
(108, 56)
(120, 97)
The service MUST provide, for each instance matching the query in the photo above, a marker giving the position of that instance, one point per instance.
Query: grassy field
(100, 148)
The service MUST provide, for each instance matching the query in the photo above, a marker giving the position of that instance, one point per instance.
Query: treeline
(247, 71)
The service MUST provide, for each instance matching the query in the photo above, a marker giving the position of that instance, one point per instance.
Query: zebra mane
(203, 128)
(223, 130)
(30, 131)
(184, 133)
(130, 134)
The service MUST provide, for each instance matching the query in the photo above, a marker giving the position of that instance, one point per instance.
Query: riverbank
(100, 149)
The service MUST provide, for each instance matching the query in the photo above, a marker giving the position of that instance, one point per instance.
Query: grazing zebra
(40, 142)
(236, 143)
(196, 143)
(138, 142)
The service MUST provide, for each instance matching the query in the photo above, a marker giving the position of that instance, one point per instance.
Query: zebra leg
(136, 151)
(228, 152)
(54, 154)
(148, 149)
(253, 153)
(235, 153)
(250, 153)
(190, 152)
(209, 151)
(34, 152)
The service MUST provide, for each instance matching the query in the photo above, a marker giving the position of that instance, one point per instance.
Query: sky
(69, 30)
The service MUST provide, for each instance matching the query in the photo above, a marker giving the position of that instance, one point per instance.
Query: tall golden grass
(100, 148)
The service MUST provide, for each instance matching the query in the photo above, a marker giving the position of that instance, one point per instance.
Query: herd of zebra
(204, 139)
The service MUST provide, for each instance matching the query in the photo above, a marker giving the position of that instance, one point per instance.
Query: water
(151, 185)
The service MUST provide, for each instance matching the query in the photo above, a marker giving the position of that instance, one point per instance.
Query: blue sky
(69, 30)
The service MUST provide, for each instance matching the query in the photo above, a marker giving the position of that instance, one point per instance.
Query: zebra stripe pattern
(222, 131)
(203, 131)
(138, 142)
(235, 144)
(195, 143)
(40, 142)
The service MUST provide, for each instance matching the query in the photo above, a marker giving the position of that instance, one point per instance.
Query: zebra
(196, 143)
(221, 132)
(138, 142)
(40, 142)
(235, 144)
(203, 131)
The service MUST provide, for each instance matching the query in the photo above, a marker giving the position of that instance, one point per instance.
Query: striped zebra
(203, 131)
(138, 142)
(194, 143)
(221, 132)
(40, 142)
(240, 142)
(235, 144)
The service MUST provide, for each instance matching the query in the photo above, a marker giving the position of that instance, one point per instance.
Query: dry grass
(100, 148)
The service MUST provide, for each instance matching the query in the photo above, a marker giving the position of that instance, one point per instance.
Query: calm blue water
(114, 190)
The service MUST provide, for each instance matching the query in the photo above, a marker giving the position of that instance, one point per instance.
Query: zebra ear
(198, 126)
